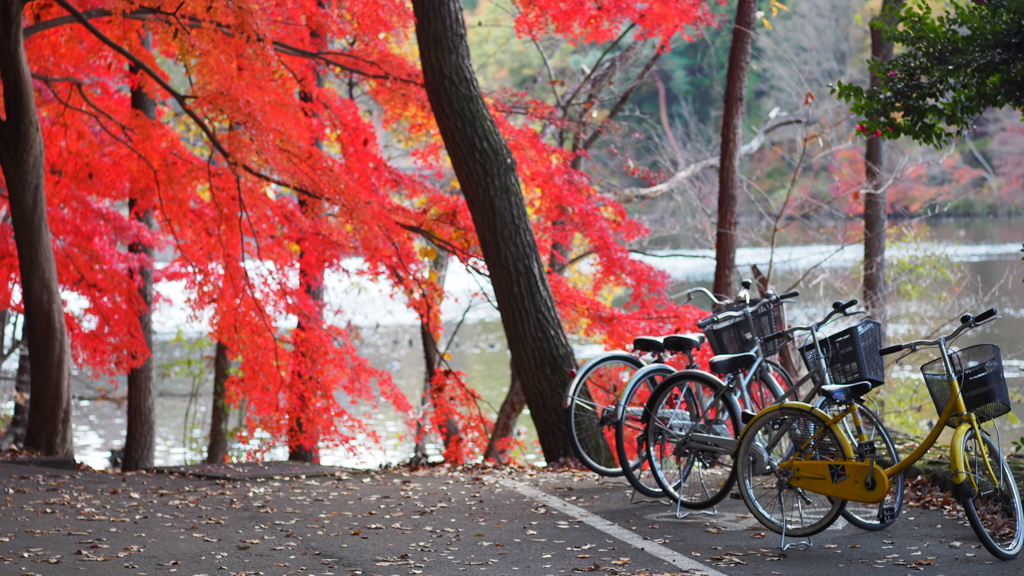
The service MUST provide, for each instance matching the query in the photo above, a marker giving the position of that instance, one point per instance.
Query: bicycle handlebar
(967, 322)
(698, 290)
(890, 350)
(980, 318)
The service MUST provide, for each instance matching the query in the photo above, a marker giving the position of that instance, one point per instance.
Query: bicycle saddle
(648, 344)
(846, 392)
(683, 342)
(729, 363)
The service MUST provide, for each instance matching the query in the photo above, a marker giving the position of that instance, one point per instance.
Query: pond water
(950, 267)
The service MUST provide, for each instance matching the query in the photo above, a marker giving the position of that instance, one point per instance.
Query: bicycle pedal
(735, 495)
(887, 514)
(746, 416)
(867, 448)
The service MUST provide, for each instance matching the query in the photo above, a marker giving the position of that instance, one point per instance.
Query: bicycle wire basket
(979, 369)
(850, 355)
(736, 335)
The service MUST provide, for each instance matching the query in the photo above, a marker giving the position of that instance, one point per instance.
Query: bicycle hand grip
(788, 295)
(890, 350)
(844, 306)
(986, 315)
(705, 322)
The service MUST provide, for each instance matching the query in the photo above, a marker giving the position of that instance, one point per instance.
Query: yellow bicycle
(797, 465)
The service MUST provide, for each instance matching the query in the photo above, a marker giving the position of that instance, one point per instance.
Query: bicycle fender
(844, 442)
(957, 462)
(585, 370)
(641, 375)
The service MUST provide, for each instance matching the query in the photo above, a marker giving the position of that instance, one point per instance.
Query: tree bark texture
(217, 452)
(876, 198)
(499, 446)
(140, 439)
(23, 163)
(15, 433)
(727, 239)
(486, 170)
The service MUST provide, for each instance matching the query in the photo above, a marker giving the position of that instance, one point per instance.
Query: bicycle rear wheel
(992, 506)
(870, 516)
(771, 439)
(630, 440)
(590, 409)
(691, 436)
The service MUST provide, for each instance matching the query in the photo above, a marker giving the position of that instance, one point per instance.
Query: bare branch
(635, 194)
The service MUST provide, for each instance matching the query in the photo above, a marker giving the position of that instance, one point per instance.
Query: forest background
(650, 99)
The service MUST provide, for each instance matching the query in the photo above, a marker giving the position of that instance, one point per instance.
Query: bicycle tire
(630, 440)
(590, 409)
(869, 516)
(695, 471)
(773, 437)
(993, 512)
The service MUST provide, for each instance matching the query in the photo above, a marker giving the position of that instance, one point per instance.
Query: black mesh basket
(979, 369)
(851, 355)
(736, 335)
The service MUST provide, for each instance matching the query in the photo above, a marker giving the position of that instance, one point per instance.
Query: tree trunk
(300, 447)
(15, 433)
(217, 452)
(875, 200)
(431, 361)
(140, 439)
(486, 170)
(727, 240)
(23, 163)
(787, 354)
(500, 444)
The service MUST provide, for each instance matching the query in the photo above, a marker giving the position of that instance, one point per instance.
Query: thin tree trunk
(431, 361)
(140, 438)
(303, 442)
(486, 170)
(217, 452)
(499, 446)
(23, 163)
(15, 433)
(786, 353)
(876, 201)
(727, 239)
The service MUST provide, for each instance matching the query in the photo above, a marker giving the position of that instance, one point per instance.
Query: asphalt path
(435, 522)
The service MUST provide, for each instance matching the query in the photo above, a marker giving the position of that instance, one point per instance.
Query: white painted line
(610, 528)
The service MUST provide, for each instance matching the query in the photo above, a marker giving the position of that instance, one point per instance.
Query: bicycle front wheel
(769, 440)
(630, 440)
(992, 504)
(691, 436)
(591, 409)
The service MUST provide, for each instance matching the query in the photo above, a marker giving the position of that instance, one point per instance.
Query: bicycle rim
(994, 511)
(690, 440)
(774, 438)
(591, 411)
